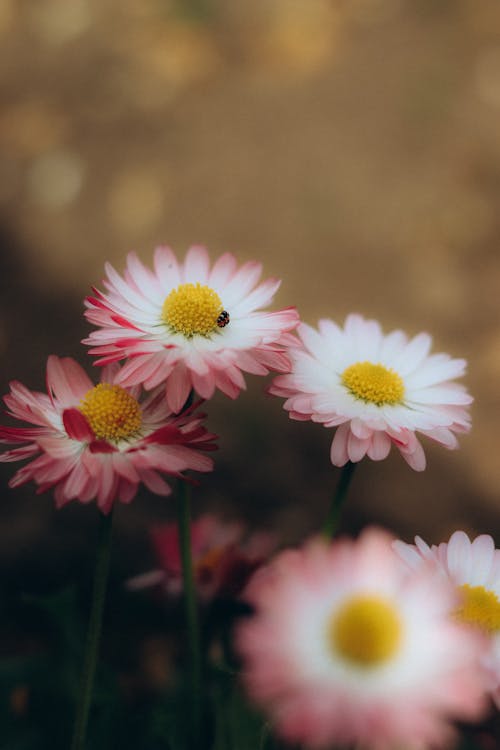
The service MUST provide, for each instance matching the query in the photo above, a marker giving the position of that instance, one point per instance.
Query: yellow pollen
(479, 607)
(112, 413)
(366, 631)
(192, 309)
(374, 384)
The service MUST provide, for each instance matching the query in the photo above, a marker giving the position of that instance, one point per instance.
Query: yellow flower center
(112, 413)
(192, 309)
(374, 384)
(366, 631)
(479, 607)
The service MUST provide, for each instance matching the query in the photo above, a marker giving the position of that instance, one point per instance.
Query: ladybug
(223, 319)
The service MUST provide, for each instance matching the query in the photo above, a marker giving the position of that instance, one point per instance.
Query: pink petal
(21, 434)
(58, 446)
(226, 384)
(127, 491)
(204, 385)
(442, 435)
(380, 446)
(249, 363)
(108, 483)
(101, 446)
(17, 454)
(138, 370)
(76, 425)
(356, 448)
(274, 360)
(167, 435)
(178, 387)
(360, 429)
(66, 380)
(154, 482)
(124, 323)
(76, 482)
(60, 497)
(110, 372)
(415, 456)
(338, 450)
(123, 465)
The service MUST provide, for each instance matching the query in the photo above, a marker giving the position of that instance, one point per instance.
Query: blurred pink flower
(474, 568)
(188, 325)
(376, 390)
(224, 556)
(345, 647)
(99, 442)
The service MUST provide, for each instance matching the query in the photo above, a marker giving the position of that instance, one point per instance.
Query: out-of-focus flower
(346, 647)
(100, 442)
(474, 568)
(189, 325)
(376, 390)
(224, 556)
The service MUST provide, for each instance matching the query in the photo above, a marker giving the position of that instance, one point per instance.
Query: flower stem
(94, 630)
(191, 610)
(331, 526)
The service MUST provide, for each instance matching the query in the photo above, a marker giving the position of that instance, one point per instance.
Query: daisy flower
(189, 325)
(224, 556)
(99, 441)
(345, 648)
(376, 390)
(474, 568)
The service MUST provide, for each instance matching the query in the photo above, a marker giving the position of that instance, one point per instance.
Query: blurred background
(351, 145)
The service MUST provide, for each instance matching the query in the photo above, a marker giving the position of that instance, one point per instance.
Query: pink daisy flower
(224, 556)
(345, 648)
(99, 442)
(474, 568)
(376, 390)
(189, 325)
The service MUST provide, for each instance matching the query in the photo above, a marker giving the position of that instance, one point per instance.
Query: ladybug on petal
(223, 319)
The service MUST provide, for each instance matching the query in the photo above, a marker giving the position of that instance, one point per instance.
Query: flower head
(474, 568)
(99, 441)
(224, 556)
(376, 390)
(345, 648)
(189, 325)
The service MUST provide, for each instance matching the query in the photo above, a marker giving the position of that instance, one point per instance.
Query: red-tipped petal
(101, 446)
(77, 426)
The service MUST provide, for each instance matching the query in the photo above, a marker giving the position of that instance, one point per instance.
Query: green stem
(332, 522)
(94, 630)
(191, 610)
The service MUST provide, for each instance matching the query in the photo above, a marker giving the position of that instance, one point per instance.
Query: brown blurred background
(352, 145)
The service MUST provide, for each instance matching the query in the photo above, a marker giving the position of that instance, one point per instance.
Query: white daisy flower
(346, 647)
(189, 325)
(376, 390)
(474, 568)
